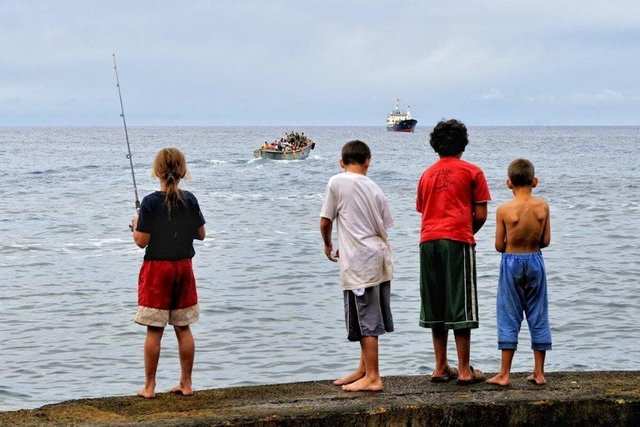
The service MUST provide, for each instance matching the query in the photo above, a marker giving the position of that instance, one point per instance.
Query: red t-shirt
(447, 192)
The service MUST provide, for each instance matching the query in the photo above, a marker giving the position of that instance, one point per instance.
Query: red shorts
(167, 293)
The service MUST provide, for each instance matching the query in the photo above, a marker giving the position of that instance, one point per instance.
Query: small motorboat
(293, 146)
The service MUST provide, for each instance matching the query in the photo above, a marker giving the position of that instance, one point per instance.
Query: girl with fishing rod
(166, 223)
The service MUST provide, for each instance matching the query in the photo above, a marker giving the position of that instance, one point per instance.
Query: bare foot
(182, 390)
(500, 379)
(365, 384)
(148, 391)
(348, 379)
(537, 379)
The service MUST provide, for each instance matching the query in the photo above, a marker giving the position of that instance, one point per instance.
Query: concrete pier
(578, 399)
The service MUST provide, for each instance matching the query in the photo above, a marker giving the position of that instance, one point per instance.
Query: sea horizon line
(187, 125)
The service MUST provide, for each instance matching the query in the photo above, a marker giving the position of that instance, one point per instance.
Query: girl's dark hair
(170, 166)
(449, 138)
(355, 151)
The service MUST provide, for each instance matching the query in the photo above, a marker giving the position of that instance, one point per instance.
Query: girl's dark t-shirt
(171, 237)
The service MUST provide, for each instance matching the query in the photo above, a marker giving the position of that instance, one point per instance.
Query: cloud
(604, 97)
(254, 62)
(492, 94)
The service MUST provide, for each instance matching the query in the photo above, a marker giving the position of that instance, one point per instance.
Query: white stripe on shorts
(474, 315)
(355, 304)
(464, 278)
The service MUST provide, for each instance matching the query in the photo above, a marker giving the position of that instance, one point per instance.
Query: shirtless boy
(522, 229)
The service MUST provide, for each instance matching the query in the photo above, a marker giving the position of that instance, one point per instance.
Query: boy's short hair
(521, 173)
(449, 137)
(355, 151)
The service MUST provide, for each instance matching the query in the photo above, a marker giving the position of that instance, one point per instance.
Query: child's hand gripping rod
(126, 136)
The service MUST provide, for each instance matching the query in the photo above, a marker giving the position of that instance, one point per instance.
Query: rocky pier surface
(569, 398)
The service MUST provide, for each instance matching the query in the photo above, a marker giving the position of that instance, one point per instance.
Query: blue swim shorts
(522, 290)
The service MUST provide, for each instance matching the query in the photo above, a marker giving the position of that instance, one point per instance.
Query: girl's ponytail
(170, 166)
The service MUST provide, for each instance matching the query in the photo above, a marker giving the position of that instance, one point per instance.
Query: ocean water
(271, 303)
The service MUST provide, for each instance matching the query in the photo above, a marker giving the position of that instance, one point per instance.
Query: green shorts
(448, 285)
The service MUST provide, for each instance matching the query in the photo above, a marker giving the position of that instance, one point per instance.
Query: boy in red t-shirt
(452, 198)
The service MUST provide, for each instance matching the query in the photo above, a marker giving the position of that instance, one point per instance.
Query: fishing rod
(126, 134)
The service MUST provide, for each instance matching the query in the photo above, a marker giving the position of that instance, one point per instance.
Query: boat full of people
(292, 146)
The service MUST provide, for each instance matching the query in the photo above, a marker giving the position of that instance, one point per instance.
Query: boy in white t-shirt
(361, 211)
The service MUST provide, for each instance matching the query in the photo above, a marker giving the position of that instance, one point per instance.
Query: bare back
(523, 225)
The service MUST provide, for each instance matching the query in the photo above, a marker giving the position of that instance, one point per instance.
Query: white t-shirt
(362, 214)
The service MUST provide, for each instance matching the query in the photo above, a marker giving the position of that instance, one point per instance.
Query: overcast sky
(319, 62)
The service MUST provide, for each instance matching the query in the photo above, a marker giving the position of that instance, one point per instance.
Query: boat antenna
(126, 135)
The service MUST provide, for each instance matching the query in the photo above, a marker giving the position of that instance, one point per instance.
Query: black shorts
(448, 294)
(368, 315)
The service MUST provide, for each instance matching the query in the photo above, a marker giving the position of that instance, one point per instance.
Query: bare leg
(463, 347)
(440, 337)
(371, 381)
(151, 357)
(538, 370)
(186, 348)
(355, 375)
(505, 369)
